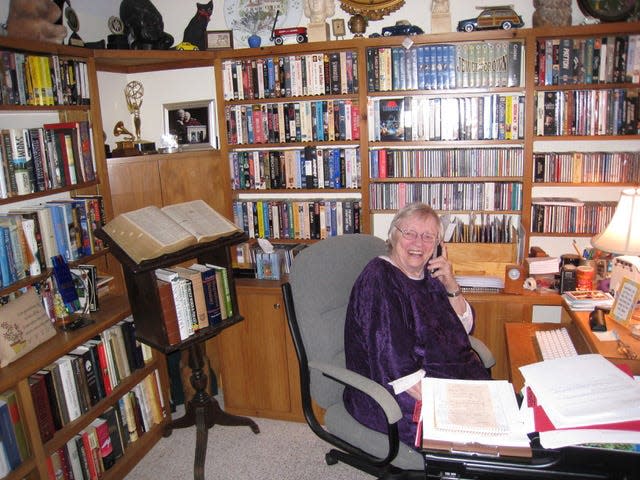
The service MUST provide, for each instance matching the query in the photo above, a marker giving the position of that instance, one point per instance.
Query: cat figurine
(196, 30)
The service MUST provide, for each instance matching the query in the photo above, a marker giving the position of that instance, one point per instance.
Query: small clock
(371, 9)
(514, 276)
(608, 10)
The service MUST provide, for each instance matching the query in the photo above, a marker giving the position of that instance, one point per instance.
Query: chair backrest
(321, 279)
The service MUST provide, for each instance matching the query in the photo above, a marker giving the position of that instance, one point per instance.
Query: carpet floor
(281, 451)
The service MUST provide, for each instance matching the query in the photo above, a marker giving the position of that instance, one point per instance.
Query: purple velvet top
(395, 326)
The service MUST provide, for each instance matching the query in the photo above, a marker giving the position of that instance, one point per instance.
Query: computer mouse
(597, 321)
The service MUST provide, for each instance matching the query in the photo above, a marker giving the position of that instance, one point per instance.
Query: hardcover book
(150, 232)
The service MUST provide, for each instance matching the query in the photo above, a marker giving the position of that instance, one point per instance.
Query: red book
(169, 314)
(104, 370)
(90, 453)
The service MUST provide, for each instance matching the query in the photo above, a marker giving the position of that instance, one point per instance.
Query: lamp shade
(622, 235)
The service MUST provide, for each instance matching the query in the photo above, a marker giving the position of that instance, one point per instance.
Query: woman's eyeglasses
(412, 235)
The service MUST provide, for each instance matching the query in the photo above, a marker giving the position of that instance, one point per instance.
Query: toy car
(278, 34)
(401, 28)
(492, 17)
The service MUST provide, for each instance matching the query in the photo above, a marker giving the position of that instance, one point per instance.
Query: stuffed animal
(196, 31)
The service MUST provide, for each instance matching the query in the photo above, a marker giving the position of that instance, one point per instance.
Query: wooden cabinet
(259, 369)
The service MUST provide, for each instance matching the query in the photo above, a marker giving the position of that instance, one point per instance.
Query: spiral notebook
(472, 416)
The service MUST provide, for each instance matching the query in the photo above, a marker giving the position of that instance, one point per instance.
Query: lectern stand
(202, 410)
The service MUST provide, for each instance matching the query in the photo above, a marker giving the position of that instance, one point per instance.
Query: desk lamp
(622, 235)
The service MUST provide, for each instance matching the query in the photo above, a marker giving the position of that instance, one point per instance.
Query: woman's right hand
(415, 391)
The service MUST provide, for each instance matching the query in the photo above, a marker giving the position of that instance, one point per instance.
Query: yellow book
(35, 94)
(47, 82)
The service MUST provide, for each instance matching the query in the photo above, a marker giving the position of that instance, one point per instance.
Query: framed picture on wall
(193, 123)
(219, 39)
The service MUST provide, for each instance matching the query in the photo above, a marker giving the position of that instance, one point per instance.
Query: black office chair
(316, 299)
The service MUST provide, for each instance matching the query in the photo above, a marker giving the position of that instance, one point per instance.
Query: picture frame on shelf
(219, 39)
(193, 124)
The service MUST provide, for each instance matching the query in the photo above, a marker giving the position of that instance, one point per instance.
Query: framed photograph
(625, 301)
(219, 39)
(193, 123)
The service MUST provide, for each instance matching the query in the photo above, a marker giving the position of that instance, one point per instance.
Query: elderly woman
(407, 314)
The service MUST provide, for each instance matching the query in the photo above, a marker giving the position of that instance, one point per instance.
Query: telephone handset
(436, 253)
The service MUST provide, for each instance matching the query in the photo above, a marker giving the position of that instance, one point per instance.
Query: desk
(522, 347)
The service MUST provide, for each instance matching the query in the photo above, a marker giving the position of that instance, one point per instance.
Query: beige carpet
(281, 451)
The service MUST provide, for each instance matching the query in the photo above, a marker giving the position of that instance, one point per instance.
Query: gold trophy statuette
(134, 92)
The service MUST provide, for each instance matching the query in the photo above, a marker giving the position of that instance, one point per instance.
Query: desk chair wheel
(330, 458)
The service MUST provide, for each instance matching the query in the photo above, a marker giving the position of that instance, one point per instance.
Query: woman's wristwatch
(454, 294)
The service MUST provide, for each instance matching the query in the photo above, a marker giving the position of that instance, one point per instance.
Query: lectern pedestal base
(204, 412)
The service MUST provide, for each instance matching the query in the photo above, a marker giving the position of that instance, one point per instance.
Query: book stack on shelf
(38, 159)
(593, 60)
(32, 236)
(570, 215)
(311, 167)
(33, 79)
(446, 66)
(14, 448)
(291, 75)
(193, 298)
(291, 219)
(586, 167)
(429, 118)
(290, 122)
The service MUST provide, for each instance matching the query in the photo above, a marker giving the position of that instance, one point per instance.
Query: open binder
(471, 416)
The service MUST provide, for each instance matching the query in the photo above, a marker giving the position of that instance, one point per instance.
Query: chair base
(334, 456)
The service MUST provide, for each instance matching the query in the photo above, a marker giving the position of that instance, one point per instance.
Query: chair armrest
(487, 358)
(365, 385)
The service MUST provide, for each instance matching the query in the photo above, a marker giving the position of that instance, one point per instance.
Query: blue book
(61, 230)
(209, 284)
(8, 435)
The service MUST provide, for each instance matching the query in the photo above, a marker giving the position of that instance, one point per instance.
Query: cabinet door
(490, 318)
(258, 363)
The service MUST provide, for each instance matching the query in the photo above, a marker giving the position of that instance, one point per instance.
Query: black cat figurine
(196, 31)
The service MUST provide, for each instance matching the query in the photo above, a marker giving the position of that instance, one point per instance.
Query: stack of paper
(542, 265)
(473, 416)
(480, 282)
(587, 300)
(582, 399)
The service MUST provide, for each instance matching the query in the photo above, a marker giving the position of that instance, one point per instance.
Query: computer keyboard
(555, 343)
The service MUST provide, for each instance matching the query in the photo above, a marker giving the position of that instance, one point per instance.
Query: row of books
(14, 447)
(311, 167)
(44, 158)
(96, 448)
(193, 298)
(291, 76)
(568, 215)
(485, 228)
(321, 120)
(31, 236)
(586, 167)
(446, 162)
(588, 112)
(480, 117)
(447, 196)
(445, 66)
(290, 219)
(27, 79)
(610, 59)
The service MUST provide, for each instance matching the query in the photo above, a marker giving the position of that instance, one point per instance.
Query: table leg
(204, 411)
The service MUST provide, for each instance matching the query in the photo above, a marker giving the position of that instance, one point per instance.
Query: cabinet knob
(276, 306)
